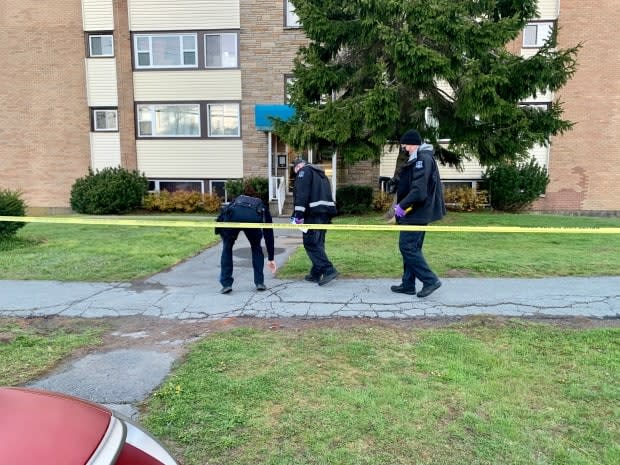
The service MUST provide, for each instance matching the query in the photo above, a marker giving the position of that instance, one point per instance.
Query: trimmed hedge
(109, 191)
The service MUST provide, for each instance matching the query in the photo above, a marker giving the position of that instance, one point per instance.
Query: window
(168, 120)
(536, 34)
(219, 187)
(174, 185)
(165, 51)
(104, 120)
(221, 50)
(288, 82)
(223, 120)
(100, 45)
(544, 106)
(290, 17)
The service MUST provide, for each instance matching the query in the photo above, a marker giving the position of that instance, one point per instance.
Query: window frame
(181, 35)
(545, 106)
(89, 44)
(210, 134)
(204, 120)
(289, 15)
(157, 183)
(206, 34)
(93, 119)
(539, 43)
(139, 135)
(212, 191)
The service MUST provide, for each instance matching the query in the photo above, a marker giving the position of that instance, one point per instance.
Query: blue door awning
(264, 113)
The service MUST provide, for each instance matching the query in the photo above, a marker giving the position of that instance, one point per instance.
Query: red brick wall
(45, 121)
(584, 164)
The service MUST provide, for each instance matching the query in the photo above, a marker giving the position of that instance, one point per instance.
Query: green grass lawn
(486, 392)
(73, 252)
(27, 351)
(376, 254)
(70, 252)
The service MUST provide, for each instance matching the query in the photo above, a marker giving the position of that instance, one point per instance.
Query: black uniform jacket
(419, 187)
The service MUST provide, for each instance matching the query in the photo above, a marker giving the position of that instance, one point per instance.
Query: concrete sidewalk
(190, 290)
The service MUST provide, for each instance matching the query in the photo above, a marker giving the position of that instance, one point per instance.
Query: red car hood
(43, 428)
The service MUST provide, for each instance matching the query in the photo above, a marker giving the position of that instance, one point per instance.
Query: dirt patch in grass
(175, 336)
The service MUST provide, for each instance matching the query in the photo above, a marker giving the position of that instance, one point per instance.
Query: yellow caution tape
(336, 227)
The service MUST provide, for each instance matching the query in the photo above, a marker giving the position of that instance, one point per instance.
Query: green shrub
(182, 201)
(256, 186)
(354, 199)
(234, 188)
(11, 204)
(109, 191)
(514, 187)
(465, 199)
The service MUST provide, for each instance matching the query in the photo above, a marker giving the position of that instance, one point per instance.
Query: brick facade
(267, 51)
(584, 164)
(45, 121)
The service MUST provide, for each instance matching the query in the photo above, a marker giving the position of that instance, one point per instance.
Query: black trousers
(314, 244)
(229, 236)
(414, 264)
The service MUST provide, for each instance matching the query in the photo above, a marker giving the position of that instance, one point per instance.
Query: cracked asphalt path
(187, 296)
(190, 290)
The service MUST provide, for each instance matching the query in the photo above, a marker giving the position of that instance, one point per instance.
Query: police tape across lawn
(331, 227)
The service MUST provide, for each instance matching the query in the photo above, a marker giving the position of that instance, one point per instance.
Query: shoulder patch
(301, 174)
(419, 164)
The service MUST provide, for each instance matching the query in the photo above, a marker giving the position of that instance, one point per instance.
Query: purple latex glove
(399, 212)
(299, 221)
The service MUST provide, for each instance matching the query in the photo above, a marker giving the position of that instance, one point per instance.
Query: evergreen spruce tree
(375, 68)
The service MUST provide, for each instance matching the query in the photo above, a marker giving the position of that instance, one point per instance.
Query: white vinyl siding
(548, 9)
(162, 15)
(101, 85)
(105, 150)
(471, 171)
(189, 85)
(387, 164)
(97, 15)
(221, 159)
(529, 52)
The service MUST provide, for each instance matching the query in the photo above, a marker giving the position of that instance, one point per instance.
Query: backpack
(245, 209)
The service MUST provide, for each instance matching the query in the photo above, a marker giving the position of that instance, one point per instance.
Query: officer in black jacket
(314, 204)
(254, 236)
(419, 198)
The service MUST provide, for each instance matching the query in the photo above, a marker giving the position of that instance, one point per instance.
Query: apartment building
(183, 91)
